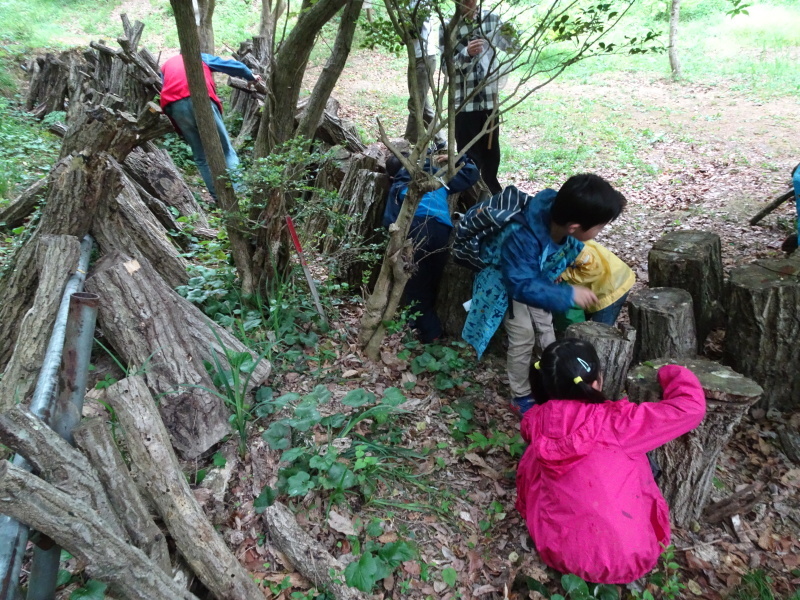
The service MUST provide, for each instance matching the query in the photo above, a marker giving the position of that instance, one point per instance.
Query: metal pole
(14, 535)
(66, 414)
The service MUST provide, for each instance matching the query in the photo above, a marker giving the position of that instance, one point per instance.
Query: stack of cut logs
(113, 183)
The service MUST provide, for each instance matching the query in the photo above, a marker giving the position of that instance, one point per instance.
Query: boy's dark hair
(588, 200)
(393, 164)
(566, 371)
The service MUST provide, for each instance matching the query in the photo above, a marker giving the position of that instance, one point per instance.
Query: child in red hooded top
(584, 485)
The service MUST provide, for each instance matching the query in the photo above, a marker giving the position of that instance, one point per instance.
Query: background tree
(674, 17)
(204, 17)
(547, 39)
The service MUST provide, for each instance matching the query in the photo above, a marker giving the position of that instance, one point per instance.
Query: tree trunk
(124, 225)
(277, 124)
(614, 347)
(674, 17)
(156, 331)
(764, 326)
(159, 473)
(94, 439)
(306, 554)
(691, 261)
(190, 49)
(257, 55)
(58, 463)
(205, 31)
(80, 531)
(153, 169)
(689, 462)
(332, 70)
(664, 322)
(57, 258)
(16, 212)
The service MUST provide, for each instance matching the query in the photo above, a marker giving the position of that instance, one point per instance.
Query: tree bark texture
(49, 90)
(310, 559)
(689, 462)
(257, 55)
(160, 475)
(206, 29)
(57, 258)
(362, 199)
(153, 329)
(664, 322)
(331, 71)
(94, 438)
(614, 347)
(674, 18)
(763, 330)
(190, 49)
(75, 186)
(58, 463)
(455, 288)
(691, 261)
(20, 208)
(80, 531)
(124, 225)
(153, 169)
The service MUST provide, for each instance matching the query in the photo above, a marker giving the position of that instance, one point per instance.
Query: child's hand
(583, 297)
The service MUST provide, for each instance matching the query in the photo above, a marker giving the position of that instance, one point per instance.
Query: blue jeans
(609, 314)
(182, 114)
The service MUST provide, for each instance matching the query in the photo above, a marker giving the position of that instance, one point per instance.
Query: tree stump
(455, 289)
(689, 462)
(167, 338)
(761, 340)
(363, 199)
(691, 261)
(614, 347)
(664, 321)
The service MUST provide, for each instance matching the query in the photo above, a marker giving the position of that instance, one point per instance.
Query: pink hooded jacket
(584, 484)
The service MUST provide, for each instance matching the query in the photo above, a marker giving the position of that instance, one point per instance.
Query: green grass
(26, 150)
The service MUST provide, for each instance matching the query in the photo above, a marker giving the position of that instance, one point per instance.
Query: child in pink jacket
(584, 484)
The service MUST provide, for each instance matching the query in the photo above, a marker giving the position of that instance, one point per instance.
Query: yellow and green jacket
(599, 269)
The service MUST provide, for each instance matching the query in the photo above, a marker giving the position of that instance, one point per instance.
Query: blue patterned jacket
(516, 270)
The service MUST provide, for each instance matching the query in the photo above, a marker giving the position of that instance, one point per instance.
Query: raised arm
(229, 66)
(645, 427)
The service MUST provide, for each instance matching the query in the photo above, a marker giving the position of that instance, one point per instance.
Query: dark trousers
(485, 152)
(430, 255)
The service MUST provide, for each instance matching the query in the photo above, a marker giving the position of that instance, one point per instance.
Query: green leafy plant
(445, 362)
(232, 380)
(349, 461)
(377, 562)
(577, 589)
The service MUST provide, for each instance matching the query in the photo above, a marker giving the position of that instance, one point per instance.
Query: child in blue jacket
(519, 286)
(430, 231)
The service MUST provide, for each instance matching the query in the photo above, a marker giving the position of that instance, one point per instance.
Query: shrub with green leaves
(377, 562)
